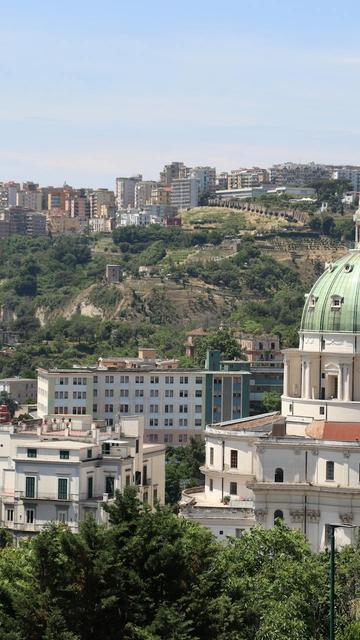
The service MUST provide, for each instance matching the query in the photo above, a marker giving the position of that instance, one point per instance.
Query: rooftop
(250, 423)
(335, 431)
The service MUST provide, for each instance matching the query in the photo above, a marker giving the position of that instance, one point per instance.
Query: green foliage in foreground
(153, 576)
(183, 469)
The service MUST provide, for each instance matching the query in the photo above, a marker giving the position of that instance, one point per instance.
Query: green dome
(333, 303)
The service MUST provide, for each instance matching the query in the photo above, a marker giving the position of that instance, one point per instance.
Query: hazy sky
(94, 89)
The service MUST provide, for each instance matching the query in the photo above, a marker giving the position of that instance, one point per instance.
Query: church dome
(333, 303)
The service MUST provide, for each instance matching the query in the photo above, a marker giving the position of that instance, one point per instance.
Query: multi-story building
(137, 218)
(19, 389)
(142, 193)
(62, 470)
(29, 199)
(222, 181)
(98, 198)
(101, 225)
(125, 191)
(161, 195)
(4, 197)
(352, 174)
(185, 193)
(206, 177)
(78, 206)
(25, 222)
(173, 171)
(247, 178)
(301, 174)
(176, 403)
(60, 222)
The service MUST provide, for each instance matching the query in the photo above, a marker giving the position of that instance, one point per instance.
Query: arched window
(279, 475)
(278, 515)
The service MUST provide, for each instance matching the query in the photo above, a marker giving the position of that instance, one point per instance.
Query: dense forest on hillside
(154, 576)
(54, 294)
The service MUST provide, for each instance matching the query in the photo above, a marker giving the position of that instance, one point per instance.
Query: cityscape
(179, 321)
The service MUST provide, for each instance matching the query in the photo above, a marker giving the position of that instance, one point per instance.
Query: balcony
(72, 497)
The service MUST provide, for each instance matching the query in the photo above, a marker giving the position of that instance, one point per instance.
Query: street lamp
(332, 528)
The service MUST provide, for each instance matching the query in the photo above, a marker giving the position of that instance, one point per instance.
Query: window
(168, 437)
(279, 475)
(183, 408)
(183, 422)
(221, 533)
(137, 477)
(105, 449)
(336, 302)
(272, 346)
(62, 488)
(139, 408)
(322, 410)
(30, 487)
(198, 408)
(95, 408)
(198, 380)
(139, 393)
(239, 532)
(32, 453)
(184, 393)
(211, 455)
(154, 422)
(124, 379)
(197, 422)
(330, 472)
(184, 380)
(124, 393)
(137, 446)
(109, 485)
(169, 393)
(278, 515)
(154, 393)
(169, 408)
(109, 379)
(90, 485)
(127, 480)
(144, 474)
(10, 515)
(109, 393)
(154, 408)
(233, 488)
(169, 379)
(64, 454)
(155, 495)
(89, 453)
(198, 393)
(168, 422)
(139, 379)
(95, 379)
(233, 458)
(146, 497)
(211, 484)
(62, 516)
(154, 379)
(261, 346)
(124, 408)
(30, 516)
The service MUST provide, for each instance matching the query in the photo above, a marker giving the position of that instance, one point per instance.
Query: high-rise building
(206, 177)
(143, 191)
(300, 174)
(26, 222)
(185, 193)
(99, 198)
(352, 174)
(29, 199)
(247, 178)
(125, 191)
(173, 171)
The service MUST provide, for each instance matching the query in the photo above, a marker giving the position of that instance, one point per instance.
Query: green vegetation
(183, 469)
(154, 576)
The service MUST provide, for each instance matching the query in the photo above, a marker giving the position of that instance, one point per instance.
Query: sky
(92, 90)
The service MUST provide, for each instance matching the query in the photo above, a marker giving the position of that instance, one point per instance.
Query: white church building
(304, 465)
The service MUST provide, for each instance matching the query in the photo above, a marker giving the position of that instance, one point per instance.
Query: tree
(221, 340)
(11, 404)
(271, 401)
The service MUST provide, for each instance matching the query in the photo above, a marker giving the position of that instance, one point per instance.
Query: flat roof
(58, 444)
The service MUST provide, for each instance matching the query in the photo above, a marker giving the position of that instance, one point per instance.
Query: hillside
(53, 292)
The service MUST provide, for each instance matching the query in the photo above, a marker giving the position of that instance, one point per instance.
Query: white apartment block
(176, 403)
(185, 193)
(125, 191)
(206, 177)
(62, 470)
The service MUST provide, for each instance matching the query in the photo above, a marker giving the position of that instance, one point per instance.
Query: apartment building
(125, 191)
(176, 403)
(206, 177)
(302, 174)
(352, 174)
(173, 171)
(19, 389)
(185, 193)
(142, 193)
(62, 470)
(23, 222)
(99, 198)
(247, 178)
(29, 199)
